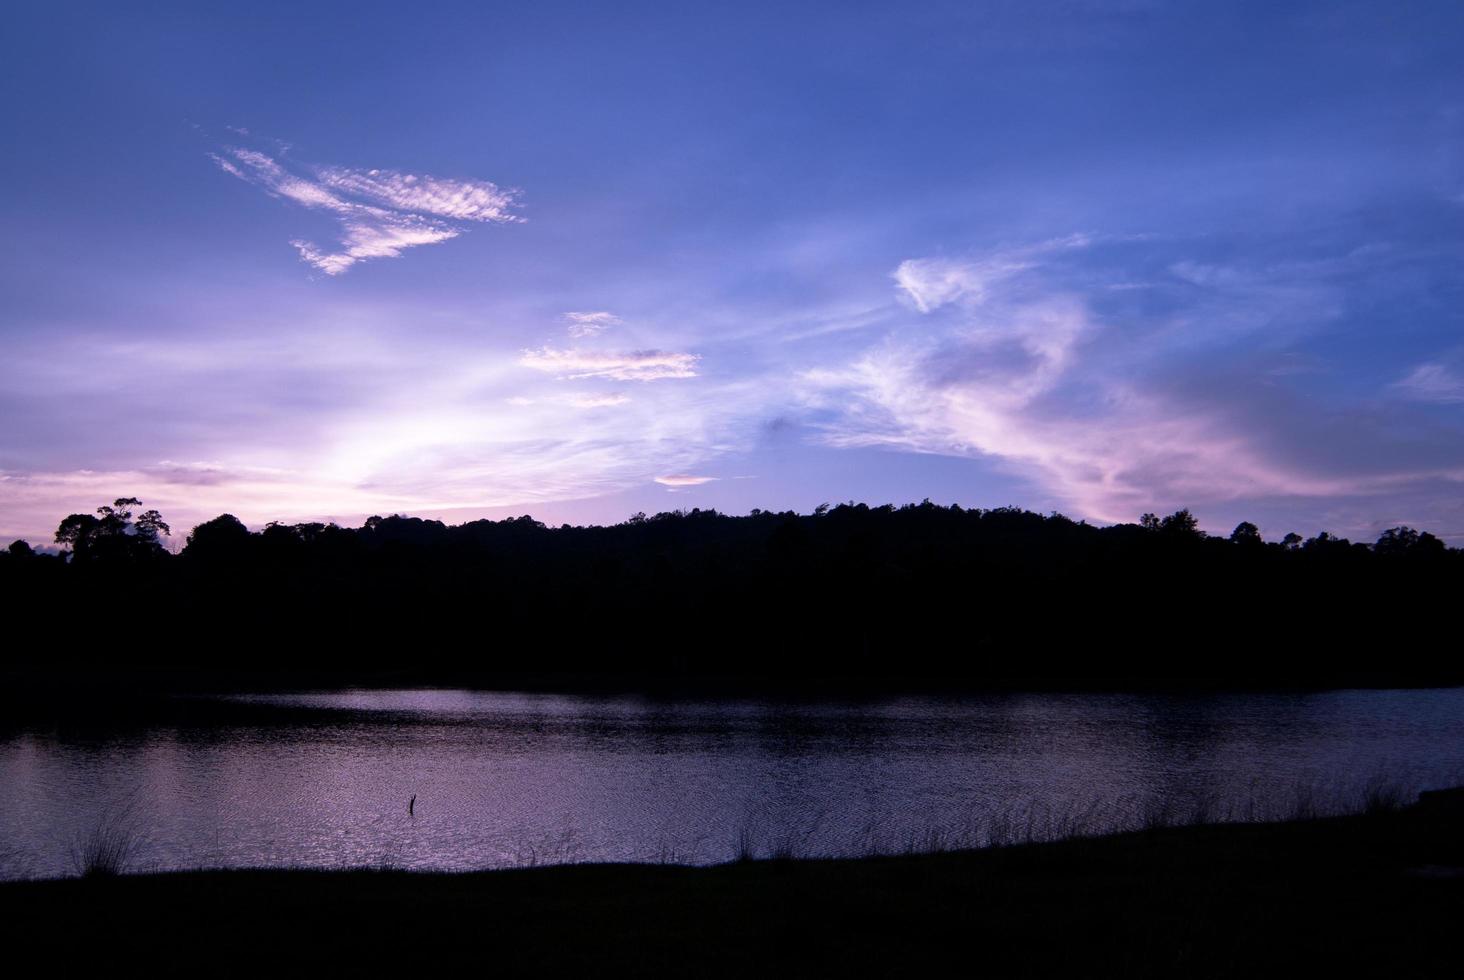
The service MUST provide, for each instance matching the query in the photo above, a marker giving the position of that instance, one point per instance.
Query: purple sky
(578, 260)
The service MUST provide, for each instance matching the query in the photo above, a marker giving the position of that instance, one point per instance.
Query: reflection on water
(323, 780)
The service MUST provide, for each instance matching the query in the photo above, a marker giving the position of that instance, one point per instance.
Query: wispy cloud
(378, 239)
(609, 400)
(459, 200)
(1029, 376)
(641, 365)
(382, 212)
(577, 400)
(1433, 383)
(1129, 452)
(930, 283)
(590, 324)
(683, 480)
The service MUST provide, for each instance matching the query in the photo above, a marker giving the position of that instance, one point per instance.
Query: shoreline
(1380, 891)
(30, 680)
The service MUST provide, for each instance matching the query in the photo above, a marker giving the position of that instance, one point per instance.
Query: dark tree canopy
(1407, 541)
(113, 535)
(931, 594)
(1181, 524)
(1246, 533)
(223, 539)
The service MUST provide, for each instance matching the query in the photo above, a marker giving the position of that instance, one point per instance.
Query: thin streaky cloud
(368, 240)
(578, 400)
(1433, 383)
(641, 365)
(382, 212)
(598, 401)
(930, 283)
(683, 480)
(590, 324)
(460, 200)
(228, 167)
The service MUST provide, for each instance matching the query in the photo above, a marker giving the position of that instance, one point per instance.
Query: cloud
(382, 212)
(930, 283)
(1433, 383)
(590, 324)
(598, 401)
(206, 474)
(298, 416)
(458, 200)
(1202, 274)
(641, 365)
(1095, 410)
(228, 166)
(683, 480)
(1126, 451)
(381, 239)
(578, 400)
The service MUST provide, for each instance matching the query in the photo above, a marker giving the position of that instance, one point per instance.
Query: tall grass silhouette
(111, 846)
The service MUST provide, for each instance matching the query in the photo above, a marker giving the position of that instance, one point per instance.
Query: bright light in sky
(581, 260)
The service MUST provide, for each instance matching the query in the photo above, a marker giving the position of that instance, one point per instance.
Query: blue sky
(578, 260)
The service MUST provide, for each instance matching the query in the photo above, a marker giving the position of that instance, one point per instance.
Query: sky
(577, 260)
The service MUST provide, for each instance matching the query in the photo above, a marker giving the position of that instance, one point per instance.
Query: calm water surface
(323, 780)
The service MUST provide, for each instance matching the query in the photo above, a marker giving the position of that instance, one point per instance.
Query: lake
(508, 779)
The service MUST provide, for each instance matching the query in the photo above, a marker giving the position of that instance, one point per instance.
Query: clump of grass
(788, 847)
(109, 848)
(1001, 828)
(1381, 797)
(1304, 804)
(390, 859)
(673, 856)
(745, 850)
(562, 848)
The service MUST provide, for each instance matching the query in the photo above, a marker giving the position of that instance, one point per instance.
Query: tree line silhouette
(922, 593)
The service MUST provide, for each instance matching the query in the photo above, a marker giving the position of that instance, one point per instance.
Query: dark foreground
(1381, 894)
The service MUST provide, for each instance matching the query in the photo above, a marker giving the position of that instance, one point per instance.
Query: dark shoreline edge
(130, 695)
(37, 679)
(1379, 892)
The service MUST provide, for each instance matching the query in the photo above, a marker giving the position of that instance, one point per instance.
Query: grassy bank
(1381, 893)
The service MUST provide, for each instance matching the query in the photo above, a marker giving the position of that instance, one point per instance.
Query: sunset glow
(1103, 258)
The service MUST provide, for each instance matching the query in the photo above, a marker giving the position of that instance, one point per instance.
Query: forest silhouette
(922, 595)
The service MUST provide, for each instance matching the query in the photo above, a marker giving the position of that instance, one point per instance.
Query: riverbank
(1376, 894)
(101, 690)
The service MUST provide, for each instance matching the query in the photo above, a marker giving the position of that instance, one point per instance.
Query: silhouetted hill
(923, 593)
